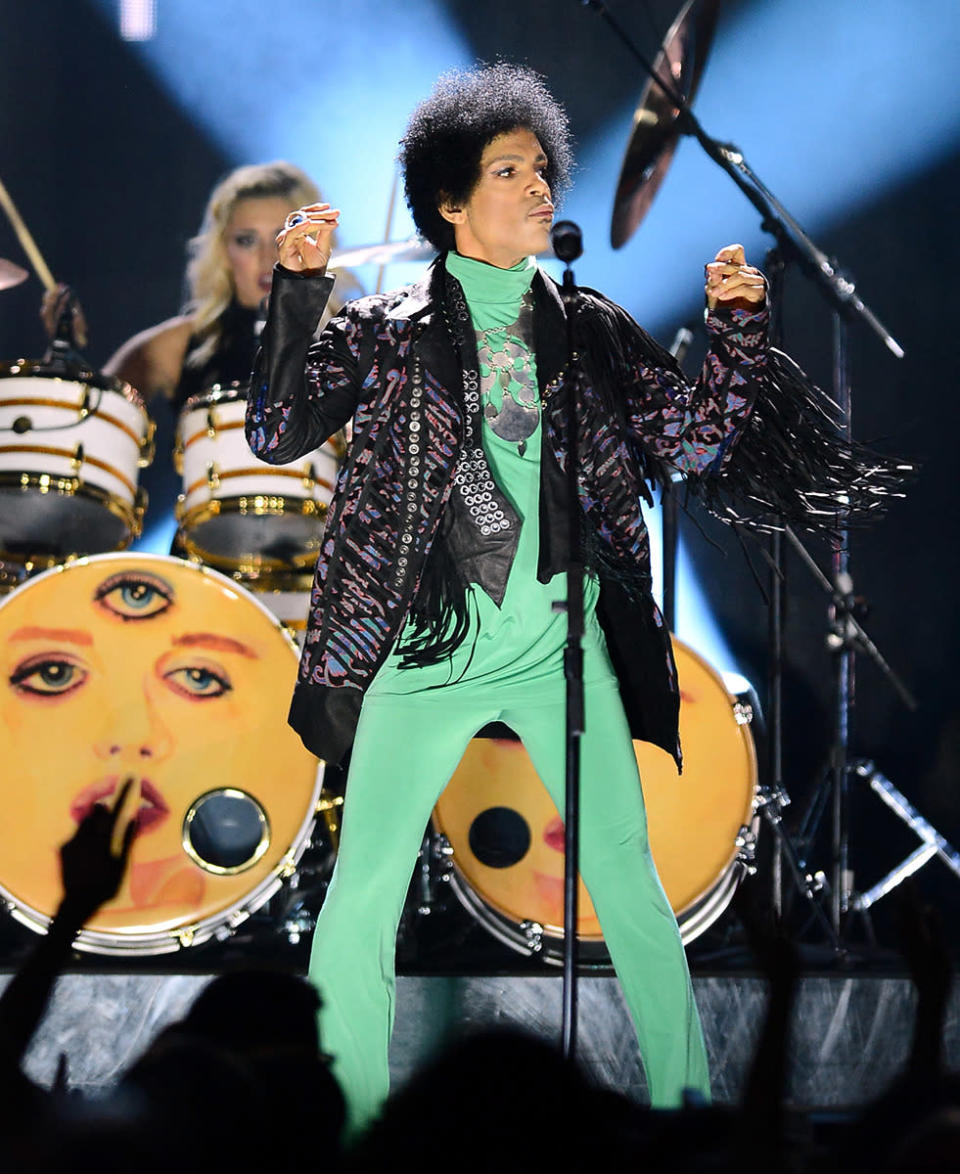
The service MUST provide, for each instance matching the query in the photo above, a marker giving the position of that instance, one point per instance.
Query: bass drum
(698, 824)
(71, 448)
(156, 669)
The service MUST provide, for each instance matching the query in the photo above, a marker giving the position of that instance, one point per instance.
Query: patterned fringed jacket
(403, 367)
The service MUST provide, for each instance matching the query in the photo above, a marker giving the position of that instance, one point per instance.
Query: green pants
(407, 748)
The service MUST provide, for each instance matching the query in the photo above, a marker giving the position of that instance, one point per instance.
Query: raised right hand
(305, 242)
(54, 304)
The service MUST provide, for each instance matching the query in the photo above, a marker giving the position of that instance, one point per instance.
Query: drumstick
(26, 240)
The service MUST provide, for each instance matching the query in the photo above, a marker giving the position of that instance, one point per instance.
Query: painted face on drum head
(507, 836)
(142, 667)
(250, 241)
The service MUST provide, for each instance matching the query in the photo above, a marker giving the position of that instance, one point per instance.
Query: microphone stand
(567, 244)
(669, 520)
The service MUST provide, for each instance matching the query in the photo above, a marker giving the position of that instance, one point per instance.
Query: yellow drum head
(507, 837)
(151, 668)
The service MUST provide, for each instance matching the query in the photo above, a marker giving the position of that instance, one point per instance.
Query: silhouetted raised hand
(93, 862)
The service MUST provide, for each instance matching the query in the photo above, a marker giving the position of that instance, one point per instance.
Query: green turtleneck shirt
(526, 634)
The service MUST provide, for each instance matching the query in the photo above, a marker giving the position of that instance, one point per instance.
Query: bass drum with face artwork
(502, 838)
(149, 667)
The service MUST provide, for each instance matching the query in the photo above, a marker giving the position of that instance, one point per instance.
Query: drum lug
(309, 476)
(287, 867)
(442, 851)
(533, 933)
(211, 424)
(327, 807)
(76, 461)
(298, 925)
(83, 408)
(743, 713)
(774, 799)
(148, 446)
(213, 476)
(140, 503)
(746, 843)
(185, 936)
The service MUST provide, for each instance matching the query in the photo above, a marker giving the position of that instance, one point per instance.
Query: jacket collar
(423, 304)
(423, 295)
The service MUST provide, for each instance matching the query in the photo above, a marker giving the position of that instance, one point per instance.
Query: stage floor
(851, 1034)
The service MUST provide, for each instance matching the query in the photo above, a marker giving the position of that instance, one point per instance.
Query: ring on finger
(294, 219)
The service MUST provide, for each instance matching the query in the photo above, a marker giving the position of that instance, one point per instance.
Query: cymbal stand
(932, 843)
(772, 797)
(839, 290)
(846, 636)
(669, 511)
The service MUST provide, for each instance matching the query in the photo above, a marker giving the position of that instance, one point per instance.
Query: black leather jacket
(403, 367)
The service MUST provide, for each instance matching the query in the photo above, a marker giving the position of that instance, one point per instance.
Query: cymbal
(383, 253)
(10, 274)
(680, 64)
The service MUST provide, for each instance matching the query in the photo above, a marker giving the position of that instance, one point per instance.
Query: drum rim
(511, 933)
(277, 582)
(247, 563)
(166, 941)
(37, 369)
(130, 513)
(216, 393)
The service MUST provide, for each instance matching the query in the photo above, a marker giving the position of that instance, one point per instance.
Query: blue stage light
(831, 103)
(327, 87)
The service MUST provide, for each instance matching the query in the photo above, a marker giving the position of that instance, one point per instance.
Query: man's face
(509, 213)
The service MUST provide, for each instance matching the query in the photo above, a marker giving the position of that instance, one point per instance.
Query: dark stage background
(110, 158)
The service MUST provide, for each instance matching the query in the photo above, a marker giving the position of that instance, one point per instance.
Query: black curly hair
(447, 133)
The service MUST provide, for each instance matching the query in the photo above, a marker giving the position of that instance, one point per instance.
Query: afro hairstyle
(447, 133)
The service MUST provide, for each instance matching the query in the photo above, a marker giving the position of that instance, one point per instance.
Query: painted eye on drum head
(48, 676)
(198, 682)
(134, 595)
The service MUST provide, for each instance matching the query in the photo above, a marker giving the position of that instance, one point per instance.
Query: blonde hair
(208, 271)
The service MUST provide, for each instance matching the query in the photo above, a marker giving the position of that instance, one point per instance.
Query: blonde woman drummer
(228, 275)
(213, 340)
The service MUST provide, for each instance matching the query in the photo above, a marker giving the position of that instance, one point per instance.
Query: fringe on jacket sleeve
(793, 466)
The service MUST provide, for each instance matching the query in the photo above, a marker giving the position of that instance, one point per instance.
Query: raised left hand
(305, 242)
(732, 283)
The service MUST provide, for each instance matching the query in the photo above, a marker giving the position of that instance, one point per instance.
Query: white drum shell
(214, 449)
(112, 432)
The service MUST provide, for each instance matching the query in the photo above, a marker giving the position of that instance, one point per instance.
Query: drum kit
(110, 650)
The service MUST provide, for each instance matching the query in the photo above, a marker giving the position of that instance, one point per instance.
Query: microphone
(567, 240)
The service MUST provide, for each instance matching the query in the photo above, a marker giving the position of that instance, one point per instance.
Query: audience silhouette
(241, 1082)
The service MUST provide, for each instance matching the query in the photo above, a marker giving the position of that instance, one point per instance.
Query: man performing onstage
(432, 612)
